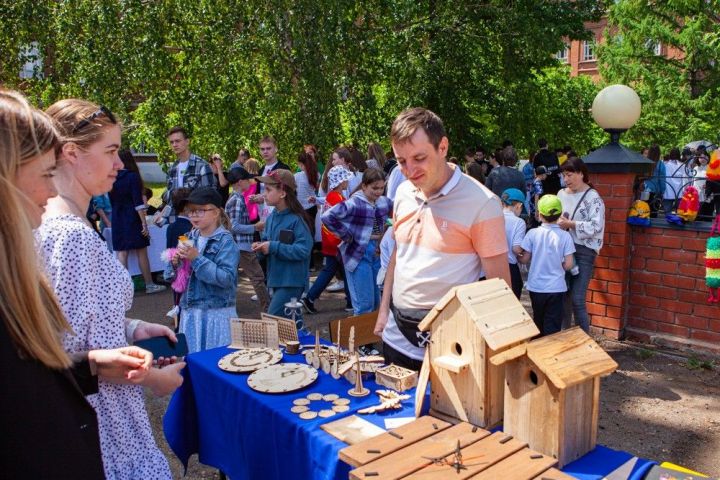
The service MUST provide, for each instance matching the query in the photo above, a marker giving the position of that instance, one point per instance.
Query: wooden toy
(552, 392)
(432, 448)
(287, 330)
(253, 333)
(389, 400)
(281, 378)
(249, 359)
(396, 377)
(470, 324)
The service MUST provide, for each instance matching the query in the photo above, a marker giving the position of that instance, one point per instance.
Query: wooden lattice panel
(287, 330)
(253, 333)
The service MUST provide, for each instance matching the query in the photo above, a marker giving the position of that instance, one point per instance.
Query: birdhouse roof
(565, 358)
(494, 309)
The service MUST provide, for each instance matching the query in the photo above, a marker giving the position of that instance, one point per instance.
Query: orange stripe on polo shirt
(489, 237)
(434, 233)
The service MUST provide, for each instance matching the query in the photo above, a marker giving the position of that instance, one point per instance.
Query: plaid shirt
(241, 227)
(198, 174)
(352, 221)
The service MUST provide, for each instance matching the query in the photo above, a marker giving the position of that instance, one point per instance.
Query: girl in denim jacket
(359, 223)
(208, 303)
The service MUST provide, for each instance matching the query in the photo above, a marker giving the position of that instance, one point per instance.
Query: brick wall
(667, 301)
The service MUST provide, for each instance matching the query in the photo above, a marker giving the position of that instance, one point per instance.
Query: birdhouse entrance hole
(457, 348)
(533, 377)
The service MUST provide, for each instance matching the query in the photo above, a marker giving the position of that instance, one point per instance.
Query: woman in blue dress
(129, 225)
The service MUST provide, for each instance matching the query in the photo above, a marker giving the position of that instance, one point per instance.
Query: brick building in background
(581, 55)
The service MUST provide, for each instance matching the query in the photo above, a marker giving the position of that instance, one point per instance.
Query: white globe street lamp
(615, 109)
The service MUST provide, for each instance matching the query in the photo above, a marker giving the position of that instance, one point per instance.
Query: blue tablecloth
(252, 435)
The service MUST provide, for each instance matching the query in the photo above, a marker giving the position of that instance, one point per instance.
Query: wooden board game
(253, 333)
(287, 330)
(430, 448)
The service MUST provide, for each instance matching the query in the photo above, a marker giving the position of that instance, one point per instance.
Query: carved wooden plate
(285, 377)
(249, 359)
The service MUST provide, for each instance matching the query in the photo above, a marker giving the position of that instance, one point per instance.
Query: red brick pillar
(608, 294)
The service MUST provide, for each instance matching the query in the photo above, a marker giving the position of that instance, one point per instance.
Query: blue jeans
(330, 267)
(282, 295)
(364, 291)
(578, 286)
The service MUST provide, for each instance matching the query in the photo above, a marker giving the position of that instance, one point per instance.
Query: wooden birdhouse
(470, 324)
(552, 393)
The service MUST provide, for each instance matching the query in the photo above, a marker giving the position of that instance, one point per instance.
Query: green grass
(644, 353)
(694, 363)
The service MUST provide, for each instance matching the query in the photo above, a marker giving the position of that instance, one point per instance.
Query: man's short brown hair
(178, 129)
(268, 139)
(408, 122)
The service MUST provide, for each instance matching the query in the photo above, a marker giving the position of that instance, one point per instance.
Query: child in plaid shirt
(359, 223)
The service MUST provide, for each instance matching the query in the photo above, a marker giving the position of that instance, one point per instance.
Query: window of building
(563, 54)
(654, 47)
(33, 61)
(588, 51)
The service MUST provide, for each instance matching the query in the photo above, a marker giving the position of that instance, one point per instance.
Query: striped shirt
(441, 239)
(240, 226)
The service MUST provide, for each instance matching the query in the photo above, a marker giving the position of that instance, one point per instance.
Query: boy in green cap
(551, 250)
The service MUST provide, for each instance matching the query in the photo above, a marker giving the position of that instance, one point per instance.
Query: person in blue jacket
(286, 242)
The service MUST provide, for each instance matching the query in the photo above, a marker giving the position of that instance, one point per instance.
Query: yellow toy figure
(689, 205)
(639, 213)
(713, 167)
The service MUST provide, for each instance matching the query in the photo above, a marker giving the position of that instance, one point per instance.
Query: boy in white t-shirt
(551, 250)
(512, 200)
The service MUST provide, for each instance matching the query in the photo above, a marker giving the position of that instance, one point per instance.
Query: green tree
(679, 87)
(306, 71)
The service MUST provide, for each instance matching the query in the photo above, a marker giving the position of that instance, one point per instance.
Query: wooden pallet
(426, 449)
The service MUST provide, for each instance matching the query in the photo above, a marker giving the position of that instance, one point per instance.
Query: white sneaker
(336, 286)
(173, 312)
(154, 288)
(254, 298)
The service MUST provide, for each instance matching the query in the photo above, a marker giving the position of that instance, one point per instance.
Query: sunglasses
(103, 110)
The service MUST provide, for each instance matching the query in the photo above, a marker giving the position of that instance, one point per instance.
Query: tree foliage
(679, 87)
(307, 71)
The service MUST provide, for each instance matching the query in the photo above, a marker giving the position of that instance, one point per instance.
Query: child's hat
(541, 170)
(205, 196)
(279, 177)
(512, 195)
(238, 173)
(337, 175)
(549, 205)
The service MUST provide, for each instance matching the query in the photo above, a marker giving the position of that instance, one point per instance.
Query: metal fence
(689, 174)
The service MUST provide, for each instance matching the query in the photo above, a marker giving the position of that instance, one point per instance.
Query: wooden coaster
(299, 409)
(326, 413)
(330, 397)
(308, 415)
(342, 401)
(340, 408)
(314, 396)
(301, 401)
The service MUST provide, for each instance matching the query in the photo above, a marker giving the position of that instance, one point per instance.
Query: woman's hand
(188, 252)
(148, 330)
(164, 381)
(262, 247)
(125, 363)
(145, 232)
(259, 226)
(565, 223)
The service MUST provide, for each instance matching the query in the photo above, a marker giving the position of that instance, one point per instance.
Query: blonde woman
(95, 290)
(48, 427)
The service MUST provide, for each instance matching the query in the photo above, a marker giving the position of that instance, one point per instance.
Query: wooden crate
(427, 449)
(396, 377)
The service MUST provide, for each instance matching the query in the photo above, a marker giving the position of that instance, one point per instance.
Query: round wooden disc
(249, 359)
(342, 401)
(326, 413)
(285, 377)
(314, 396)
(308, 415)
(334, 374)
(301, 401)
(340, 408)
(299, 409)
(331, 397)
(325, 364)
(316, 362)
(308, 357)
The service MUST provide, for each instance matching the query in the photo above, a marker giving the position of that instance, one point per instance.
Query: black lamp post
(615, 109)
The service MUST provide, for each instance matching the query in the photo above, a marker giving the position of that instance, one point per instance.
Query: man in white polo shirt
(448, 229)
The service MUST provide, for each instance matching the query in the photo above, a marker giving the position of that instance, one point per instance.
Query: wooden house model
(470, 324)
(552, 393)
